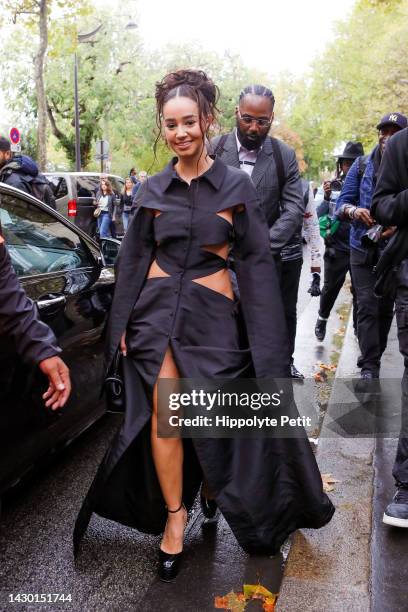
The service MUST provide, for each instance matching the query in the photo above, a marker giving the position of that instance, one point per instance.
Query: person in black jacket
(22, 172)
(125, 205)
(390, 208)
(337, 251)
(34, 340)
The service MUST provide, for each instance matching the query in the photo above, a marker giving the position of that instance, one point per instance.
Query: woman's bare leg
(168, 461)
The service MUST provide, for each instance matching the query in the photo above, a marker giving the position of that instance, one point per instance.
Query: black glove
(314, 288)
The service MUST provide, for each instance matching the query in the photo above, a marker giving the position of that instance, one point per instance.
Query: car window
(62, 189)
(39, 243)
(59, 186)
(87, 186)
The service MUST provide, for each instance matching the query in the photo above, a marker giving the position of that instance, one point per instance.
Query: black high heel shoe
(208, 506)
(169, 564)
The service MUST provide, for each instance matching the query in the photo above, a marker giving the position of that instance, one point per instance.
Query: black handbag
(114, 385)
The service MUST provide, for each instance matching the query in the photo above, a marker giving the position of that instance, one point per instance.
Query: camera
(372, 236)
(336, 184)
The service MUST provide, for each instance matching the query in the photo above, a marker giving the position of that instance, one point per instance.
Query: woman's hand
(123, 347)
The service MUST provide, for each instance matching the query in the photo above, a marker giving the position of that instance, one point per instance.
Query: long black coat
(266, 488)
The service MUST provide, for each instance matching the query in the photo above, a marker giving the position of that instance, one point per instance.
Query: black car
(71, 280)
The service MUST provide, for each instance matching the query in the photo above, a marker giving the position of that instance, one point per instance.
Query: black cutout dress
(265, 488)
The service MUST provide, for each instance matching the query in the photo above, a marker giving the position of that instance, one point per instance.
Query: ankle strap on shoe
(178, 509)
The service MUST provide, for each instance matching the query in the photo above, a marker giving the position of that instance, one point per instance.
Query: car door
(61, 270)
(86, 187)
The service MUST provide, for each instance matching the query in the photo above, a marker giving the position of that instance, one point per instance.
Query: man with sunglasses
(273, 168)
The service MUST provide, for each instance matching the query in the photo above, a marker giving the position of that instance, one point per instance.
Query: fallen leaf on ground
(328, 482)
(257, 591)
(235, 602)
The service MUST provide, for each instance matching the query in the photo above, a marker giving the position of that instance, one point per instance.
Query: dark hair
(108, 184)
(193, 84)
(4, 144)
(257, 90)
(132, 170)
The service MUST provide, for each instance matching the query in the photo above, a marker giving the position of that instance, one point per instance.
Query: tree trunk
(39, 61)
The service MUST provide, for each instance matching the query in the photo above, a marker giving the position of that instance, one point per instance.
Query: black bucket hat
(352, 150)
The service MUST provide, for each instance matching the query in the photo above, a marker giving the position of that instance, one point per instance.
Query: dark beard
(250, 143)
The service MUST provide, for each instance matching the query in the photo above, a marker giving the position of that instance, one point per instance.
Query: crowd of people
(224, 219)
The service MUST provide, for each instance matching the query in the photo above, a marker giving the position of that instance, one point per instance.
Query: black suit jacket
(284, 212)
(18, 317)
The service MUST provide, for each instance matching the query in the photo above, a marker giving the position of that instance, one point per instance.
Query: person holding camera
(337, 251)
(367, 240)
(390, 207)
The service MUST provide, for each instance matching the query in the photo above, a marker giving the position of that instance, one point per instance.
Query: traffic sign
(102, 147)
(14, 135)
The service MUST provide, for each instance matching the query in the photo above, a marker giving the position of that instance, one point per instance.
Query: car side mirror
(109, 249)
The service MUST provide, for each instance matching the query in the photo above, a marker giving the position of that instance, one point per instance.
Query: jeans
(374, 315)
(289, 284)
(400, 470)
(104, 225)
(336, 266)
(125, 220)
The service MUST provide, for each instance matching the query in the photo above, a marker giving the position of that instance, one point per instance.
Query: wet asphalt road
(116, 568)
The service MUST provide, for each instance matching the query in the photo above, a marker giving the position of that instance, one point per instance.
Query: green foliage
(361, 75)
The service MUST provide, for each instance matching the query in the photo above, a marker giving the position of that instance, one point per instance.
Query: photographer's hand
(327, 190)
(363, 215)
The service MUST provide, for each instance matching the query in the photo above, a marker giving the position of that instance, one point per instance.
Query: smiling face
(182, 129)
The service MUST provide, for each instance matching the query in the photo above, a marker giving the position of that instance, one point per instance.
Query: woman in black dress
(175, 315)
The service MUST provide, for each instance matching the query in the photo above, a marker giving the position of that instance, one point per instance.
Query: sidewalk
(353, 564)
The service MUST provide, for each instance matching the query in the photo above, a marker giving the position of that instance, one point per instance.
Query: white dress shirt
(247, 159)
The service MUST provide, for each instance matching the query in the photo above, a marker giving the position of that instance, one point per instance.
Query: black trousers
(289, 284)
(400, 470)
(374, 315)
(336, 266)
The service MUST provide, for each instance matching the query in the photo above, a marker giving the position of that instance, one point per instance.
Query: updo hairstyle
(193, 84)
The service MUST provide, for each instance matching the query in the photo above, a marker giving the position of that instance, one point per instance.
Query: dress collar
(214, 175)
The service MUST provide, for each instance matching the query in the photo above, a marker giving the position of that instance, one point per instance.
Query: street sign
(14, 135)
(102, 147)
(102, 150)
